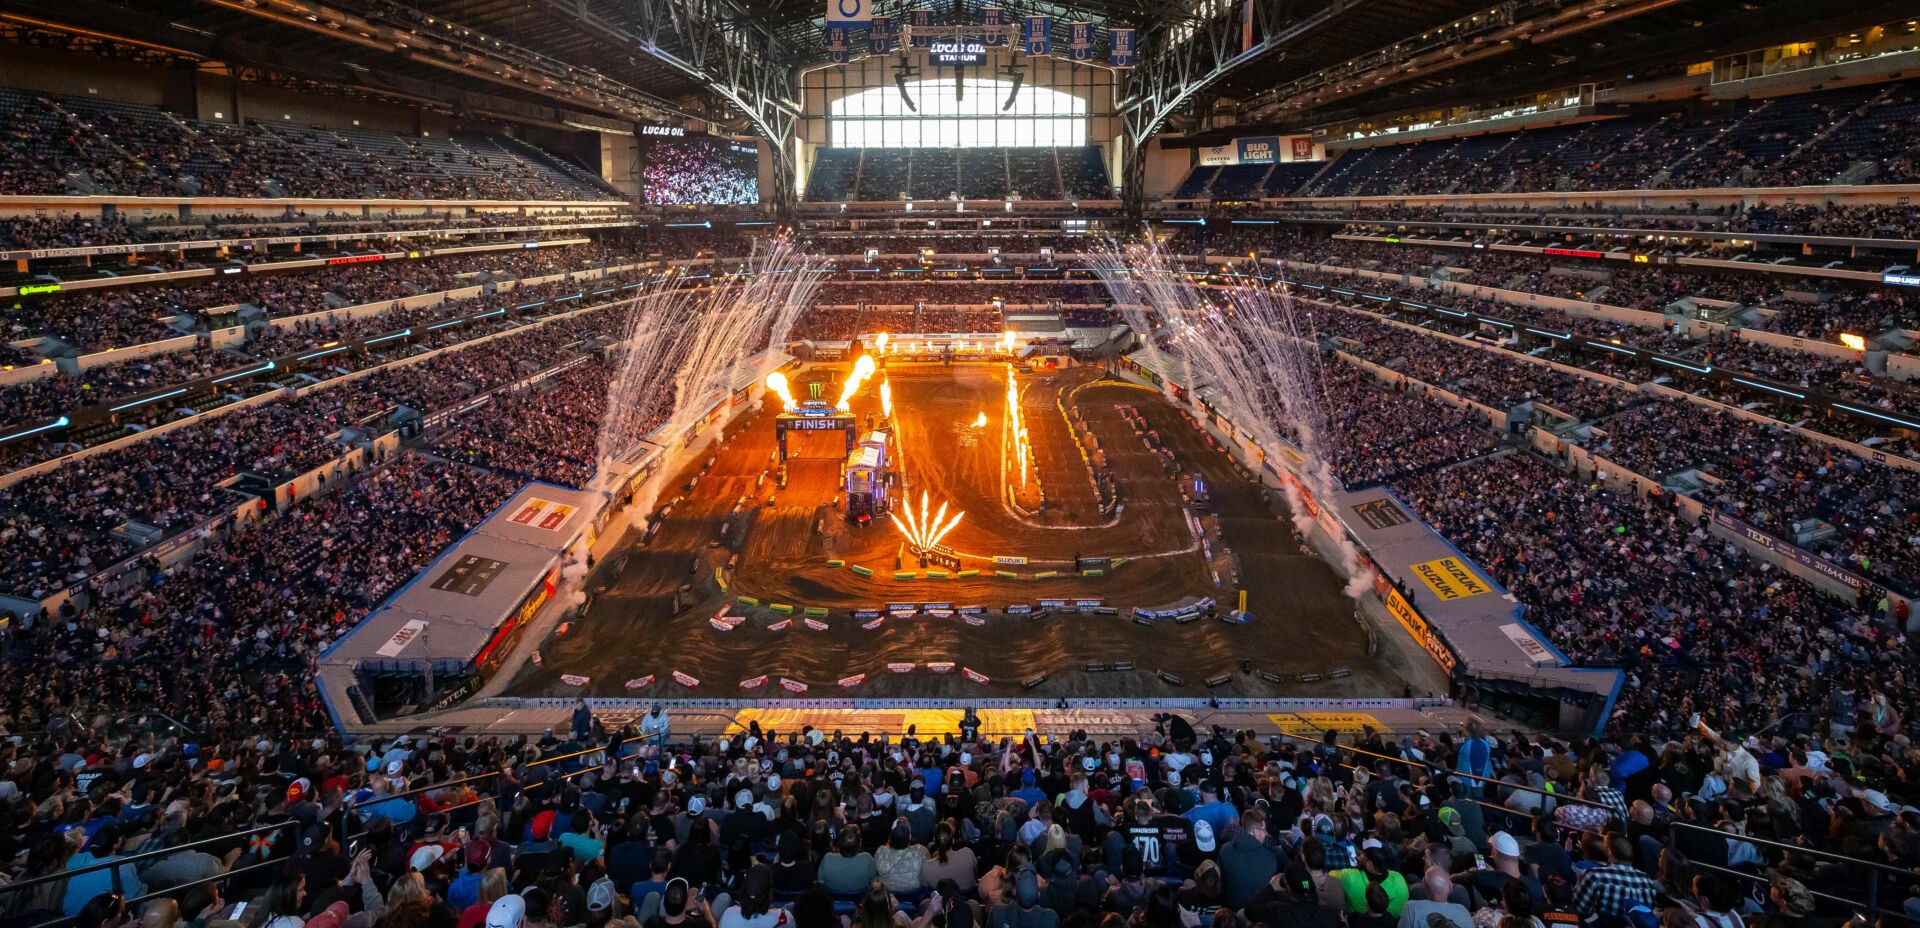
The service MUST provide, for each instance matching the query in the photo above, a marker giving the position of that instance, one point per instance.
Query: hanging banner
(849, 12)
(1080, 41)
(900, 667)
(792, 686)
(685, 680)
(1123, 48)
(975, 675)
(838, 50)
(574, 679)
(853, 681)
(880, 36)
(921, 26)
(1035, 35)
(754, 683)
(640, 683)
(995, 21)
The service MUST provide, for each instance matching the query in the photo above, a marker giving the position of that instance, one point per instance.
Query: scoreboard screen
(953, 51)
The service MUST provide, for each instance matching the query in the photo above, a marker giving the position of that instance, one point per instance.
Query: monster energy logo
(813, 389)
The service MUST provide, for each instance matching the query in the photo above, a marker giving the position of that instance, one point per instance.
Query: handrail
(127, 859)
(1796, 849)
(1844, 902)
(131, 859)
(1557, 797)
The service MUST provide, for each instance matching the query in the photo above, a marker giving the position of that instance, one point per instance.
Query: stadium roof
(579, 63)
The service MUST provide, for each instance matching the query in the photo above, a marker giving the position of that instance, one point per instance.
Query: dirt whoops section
(788, 542)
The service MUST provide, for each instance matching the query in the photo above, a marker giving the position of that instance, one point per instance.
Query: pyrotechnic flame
(1007, 340)
(777, 382)
(862, 369)
(980, 421)
(886, 398)
(880, 343)
(1016, 426)
(923, 531)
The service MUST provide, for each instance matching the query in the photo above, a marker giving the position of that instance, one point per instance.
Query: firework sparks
(923, 531)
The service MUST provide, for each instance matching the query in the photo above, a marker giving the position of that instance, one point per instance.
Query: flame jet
(862, 369)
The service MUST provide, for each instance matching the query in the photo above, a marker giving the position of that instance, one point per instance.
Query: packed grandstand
(1633, 354)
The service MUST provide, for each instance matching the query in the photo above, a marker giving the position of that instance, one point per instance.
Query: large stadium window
(878, 118)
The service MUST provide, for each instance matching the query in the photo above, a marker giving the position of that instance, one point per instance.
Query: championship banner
(880, 40)
(853, 681)
(976, 676)
(571, 679)
(940, 666)
(781, 625)
(838, 49)
(792, 686)
(901, 667)
(995, 21)
(849, 12)
(1123, 47)
(1080, 41)
(1302, 148)
(1034, 34)
(640, 683)
(920, 22)
(684, 680)
(754, 683)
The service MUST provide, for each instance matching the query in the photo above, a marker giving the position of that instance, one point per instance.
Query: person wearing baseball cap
(509, 911)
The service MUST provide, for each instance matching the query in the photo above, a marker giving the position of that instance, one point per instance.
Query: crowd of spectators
(57, 526)
(112, 317)
(75, 230)
(67, 145)
(547, 432)
(1780, 481)
(1617, 579)
(1169, 828)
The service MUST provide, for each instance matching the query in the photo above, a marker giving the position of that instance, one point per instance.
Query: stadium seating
(1856, 134)
(88, 146)
(972, 173)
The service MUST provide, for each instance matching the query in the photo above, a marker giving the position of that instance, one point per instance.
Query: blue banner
(921, 21)
(1257, 149)
(880, 36)
(1122, 40)
(1080, 41)
(995, 19)
(837, 48)
(1036, 37)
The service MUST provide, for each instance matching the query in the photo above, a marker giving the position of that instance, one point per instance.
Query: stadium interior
(1060, 464)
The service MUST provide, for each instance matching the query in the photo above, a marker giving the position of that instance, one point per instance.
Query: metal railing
(114, 865)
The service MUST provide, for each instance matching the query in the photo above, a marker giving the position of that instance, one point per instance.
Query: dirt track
(784, 539)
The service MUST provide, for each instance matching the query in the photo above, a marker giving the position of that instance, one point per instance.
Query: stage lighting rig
(1019, 76)
(902, 72)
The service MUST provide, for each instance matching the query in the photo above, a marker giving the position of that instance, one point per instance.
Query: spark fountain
(923, 532)
(683, 346)
(1255, 348)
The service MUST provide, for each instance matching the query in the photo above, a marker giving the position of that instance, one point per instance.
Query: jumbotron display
(698, 171)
